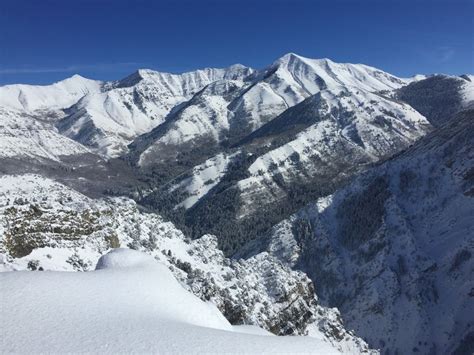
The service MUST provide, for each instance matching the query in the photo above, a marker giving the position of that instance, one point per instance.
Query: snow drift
(130, 303)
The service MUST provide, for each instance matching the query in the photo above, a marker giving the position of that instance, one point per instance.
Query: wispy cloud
(102, 67)
(440, 54)
(445, 54)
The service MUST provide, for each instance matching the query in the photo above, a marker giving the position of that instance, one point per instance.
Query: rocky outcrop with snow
(47, 226)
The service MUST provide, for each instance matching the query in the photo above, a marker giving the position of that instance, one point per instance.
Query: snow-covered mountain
(393, 249)
(344, 131)
(110, 120)
(106, 116)
(318, 122)
(358, 178)
(48, 226)
(439, 97)
(227, 111)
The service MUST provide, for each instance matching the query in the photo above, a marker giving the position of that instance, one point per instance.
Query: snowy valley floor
(130, 303)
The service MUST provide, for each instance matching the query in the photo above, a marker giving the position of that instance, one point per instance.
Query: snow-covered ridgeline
(106, 116)
(231, 109)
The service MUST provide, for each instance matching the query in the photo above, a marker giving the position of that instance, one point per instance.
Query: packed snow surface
(129, 304)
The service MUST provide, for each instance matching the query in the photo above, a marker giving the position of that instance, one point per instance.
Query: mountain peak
(134, 78)
(76, 78)
(236, 68)
(293, 57)
(289, 57)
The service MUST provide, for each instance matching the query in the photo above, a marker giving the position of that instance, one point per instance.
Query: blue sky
(48, 40)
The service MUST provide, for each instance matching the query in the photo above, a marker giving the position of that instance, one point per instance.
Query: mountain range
(308, 184)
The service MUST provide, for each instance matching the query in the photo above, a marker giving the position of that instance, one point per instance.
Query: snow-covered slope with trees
(439, 97)
(400, 241)
(345, 130)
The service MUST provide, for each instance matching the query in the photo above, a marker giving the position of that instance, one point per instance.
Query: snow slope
(131, 304)
(204, 177)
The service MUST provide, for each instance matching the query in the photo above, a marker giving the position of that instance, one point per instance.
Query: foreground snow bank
(131, 303)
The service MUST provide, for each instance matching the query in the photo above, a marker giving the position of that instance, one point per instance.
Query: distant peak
(237, 71)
